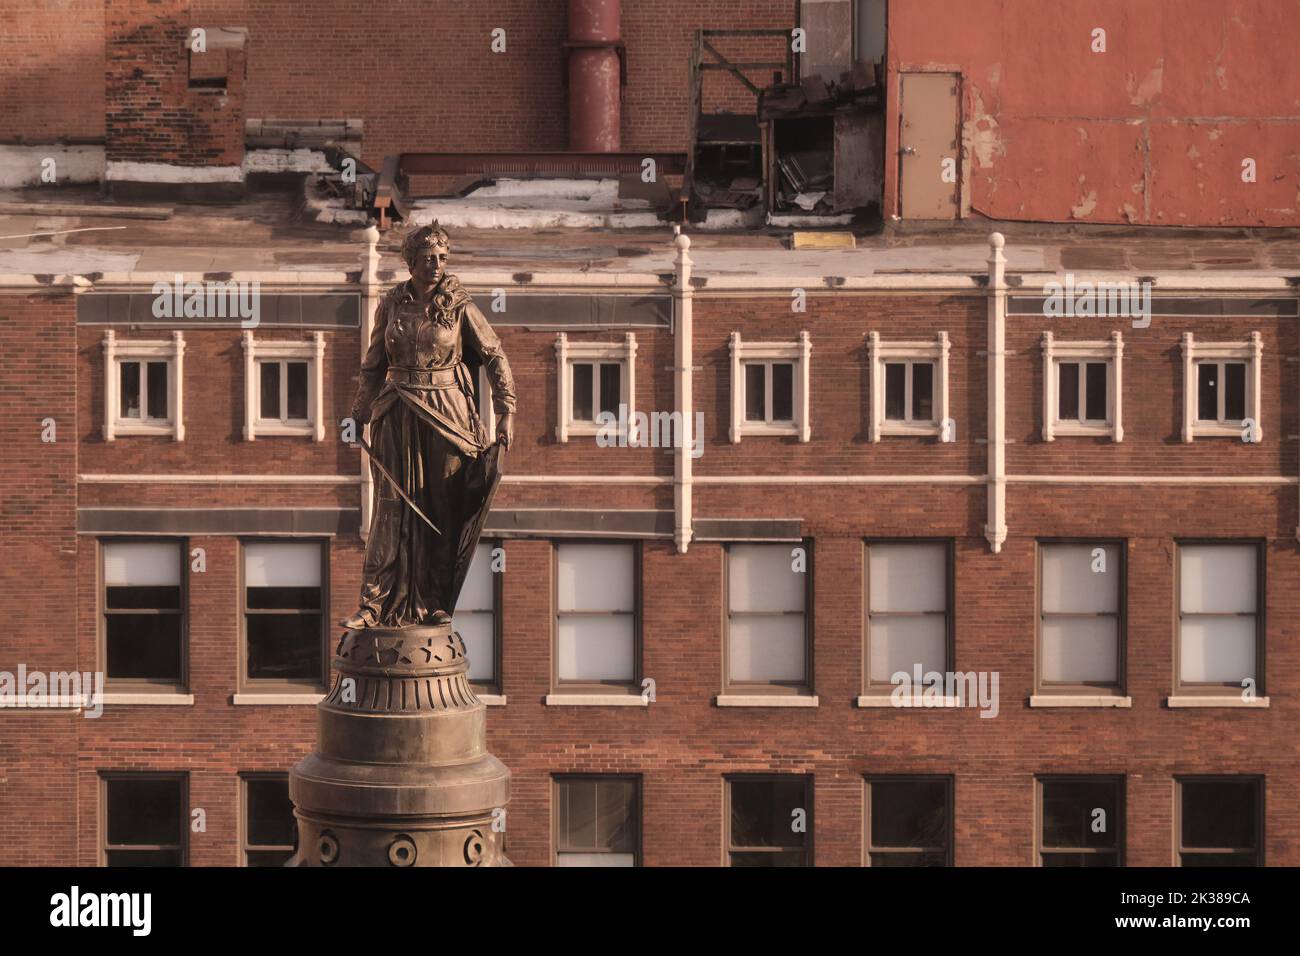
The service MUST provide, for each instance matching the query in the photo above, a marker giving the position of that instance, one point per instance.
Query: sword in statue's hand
(396, 485)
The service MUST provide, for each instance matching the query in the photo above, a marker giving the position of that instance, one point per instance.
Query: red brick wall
(683, 745)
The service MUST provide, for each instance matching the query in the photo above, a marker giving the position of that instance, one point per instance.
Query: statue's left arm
(480, 337)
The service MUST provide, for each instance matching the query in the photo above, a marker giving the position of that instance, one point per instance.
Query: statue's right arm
(373, 368)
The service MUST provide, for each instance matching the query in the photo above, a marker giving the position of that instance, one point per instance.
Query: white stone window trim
(797, 353)
(1251, 353)
(1112, 353)
(567, 354)
(313, 353)
(117, 351)
(878, 355)
(486, 413)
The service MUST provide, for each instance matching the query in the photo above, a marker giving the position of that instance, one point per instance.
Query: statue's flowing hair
(425, 237)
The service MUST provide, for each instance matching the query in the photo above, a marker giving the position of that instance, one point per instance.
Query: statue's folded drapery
(417, 381)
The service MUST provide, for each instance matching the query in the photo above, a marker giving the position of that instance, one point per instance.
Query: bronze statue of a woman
(434, 470)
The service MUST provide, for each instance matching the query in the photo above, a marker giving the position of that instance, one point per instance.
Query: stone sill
(765, 700)
(492, 700)
(25, 703)
(1231, 700)
(907, 703)
(1079, 700)
(269, 699)
(595, 700)
(159, 700)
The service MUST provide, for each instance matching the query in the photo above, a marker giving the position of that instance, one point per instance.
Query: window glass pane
(582, 385)
(284, 646)
(137, 598)
(1218, 578)
(146, 811)
(145, 646)
(142, 563)
(577, 814)
(270, 395)
(616, 815)
(766, 648)
(1069, 583)
(911, 813)
(1089, 860)
(762, 812)
(922, 392)
(785, 859)
(1096, 384)
(270, 814)
(908, 577)
(782, 392)
(761, 577)
(755, 392)
(909, 859)
(476, 630)
(276, 565)
(895, 391)
(297, 390)
(158, 390)
(900, 643)
(1217, 649)
(1234, 396)
(129, 389)
(1070, 809)
(1219, 859)
(1080, 650)
(267, 857)
(611, 377)
(1207, 395)
(1219, 813)
(595, 647)
(477, 592)
(595, 577)
(1067, 384)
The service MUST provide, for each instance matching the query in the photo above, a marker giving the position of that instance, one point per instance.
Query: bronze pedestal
(402, 776)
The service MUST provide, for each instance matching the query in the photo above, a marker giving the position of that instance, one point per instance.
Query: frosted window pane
(1217, 650)
(1081, 650)
(908, 577)
(594, 647)
(282, 565)
(768, 648)
(900, 643)
(594, 577)
(595, 859)
(476, 594)
(761, 578)
(1218, 578)
(142, 564)
(1071, 586)
(475, 630)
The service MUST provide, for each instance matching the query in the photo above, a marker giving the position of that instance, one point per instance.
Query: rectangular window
(476, 616)
(1221, 821)
(1081, 821)
(909, 392)
(144, 391)
(1080, 632)
(143, 605)
(283, 395)
(145, 819)
(269, 828)
(769, 821)
(1083, 392)
(1219, 623)
(597, 387)
(907, 610)
(596, 599)
(909, 821)
(597, 821)
(284, 612)
(1221, 392)
(769, 392)
(767, 629)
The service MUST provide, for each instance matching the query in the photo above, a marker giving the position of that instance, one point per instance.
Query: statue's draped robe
(418, 378)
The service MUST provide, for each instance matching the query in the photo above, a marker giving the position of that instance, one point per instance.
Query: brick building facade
(729, 710)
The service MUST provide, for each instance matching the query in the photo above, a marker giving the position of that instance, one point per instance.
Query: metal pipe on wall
(595, 86)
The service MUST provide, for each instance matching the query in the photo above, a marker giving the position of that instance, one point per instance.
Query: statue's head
(425, 251)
